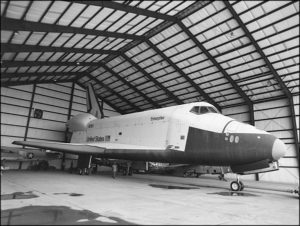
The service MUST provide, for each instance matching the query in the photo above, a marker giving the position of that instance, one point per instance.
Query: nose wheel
(237, 185)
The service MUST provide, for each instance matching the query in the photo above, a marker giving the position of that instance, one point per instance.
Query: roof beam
(272, 69)
(5, 47)
(46, 63)
(39, 74)
(190, 81)
(257, 47)
(10, 83)
(112, 91)
(131, 86)
(128, 9)
(216, 64)
(21, 25)
(169, 93)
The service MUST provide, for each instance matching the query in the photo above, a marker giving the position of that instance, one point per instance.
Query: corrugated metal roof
(141, 55)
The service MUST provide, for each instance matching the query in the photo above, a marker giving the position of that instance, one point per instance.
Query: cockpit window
(203, 109)
(195, 109)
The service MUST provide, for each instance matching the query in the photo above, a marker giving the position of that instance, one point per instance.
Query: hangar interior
(240, 56)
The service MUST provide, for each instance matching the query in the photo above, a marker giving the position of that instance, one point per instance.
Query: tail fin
(93, 106)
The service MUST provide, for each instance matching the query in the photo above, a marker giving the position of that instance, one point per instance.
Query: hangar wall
(54, 99)
(275, 117)
(18, 104)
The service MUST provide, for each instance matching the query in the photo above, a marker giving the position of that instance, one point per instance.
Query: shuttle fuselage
(185, 134)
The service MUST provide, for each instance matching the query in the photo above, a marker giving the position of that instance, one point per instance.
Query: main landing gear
(237, 185)
(84, 171)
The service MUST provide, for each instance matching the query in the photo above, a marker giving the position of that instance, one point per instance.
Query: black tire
(242, 185)
(235, 186)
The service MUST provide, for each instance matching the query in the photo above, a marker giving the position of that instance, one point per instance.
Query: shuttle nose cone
(278, 149)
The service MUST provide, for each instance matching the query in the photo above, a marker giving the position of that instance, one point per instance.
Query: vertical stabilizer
(93, 106)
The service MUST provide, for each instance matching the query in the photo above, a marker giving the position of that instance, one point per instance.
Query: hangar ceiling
(142, 55)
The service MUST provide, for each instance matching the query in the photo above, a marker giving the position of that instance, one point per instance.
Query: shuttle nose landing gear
(237, 185)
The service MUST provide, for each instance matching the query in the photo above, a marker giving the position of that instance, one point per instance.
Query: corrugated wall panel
(275, 117)
(52, 99)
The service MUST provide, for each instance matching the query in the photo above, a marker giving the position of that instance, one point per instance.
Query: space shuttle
(193, 133)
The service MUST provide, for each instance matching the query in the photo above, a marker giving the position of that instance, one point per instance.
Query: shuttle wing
(110, 150)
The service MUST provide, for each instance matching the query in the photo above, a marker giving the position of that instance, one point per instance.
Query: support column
(252, 122)
(63, 162)
(29, 113)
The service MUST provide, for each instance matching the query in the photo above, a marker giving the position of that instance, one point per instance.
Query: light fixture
(77, 63)
(231, 34)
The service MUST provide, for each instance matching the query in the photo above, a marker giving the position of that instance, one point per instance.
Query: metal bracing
(271, 68)
(112, 91)
(193, 84)
(71, 100)
(194, 7)
(29, 112)
(21, 25)
(48, 63)
(39, 74)
(212, 59)
(5, 47)
(130, 85)
(129, 9)
(18, 83)
(170, 94)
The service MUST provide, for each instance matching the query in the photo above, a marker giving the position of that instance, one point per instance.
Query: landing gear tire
(242, 185)
(80, 171)
(235, 186)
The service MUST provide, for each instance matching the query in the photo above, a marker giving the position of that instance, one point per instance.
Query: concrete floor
(29, 197)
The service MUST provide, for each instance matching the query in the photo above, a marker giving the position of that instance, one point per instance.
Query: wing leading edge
(109, 150)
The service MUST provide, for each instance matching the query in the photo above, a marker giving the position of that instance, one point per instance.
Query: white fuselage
(161, 128)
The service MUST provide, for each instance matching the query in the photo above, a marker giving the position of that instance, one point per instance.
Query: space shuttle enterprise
(193, 133)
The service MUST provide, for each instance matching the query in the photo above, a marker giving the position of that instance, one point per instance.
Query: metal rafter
(39, 74)
(189, 10)
(130, 85)
(5, 47)
(270, 66)
(21, 25)
(257, 47)
(112, 91)
(189, 80)
(129, 9)
(5, 84)
(213, 60)
(169, 93)
(47, 63)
